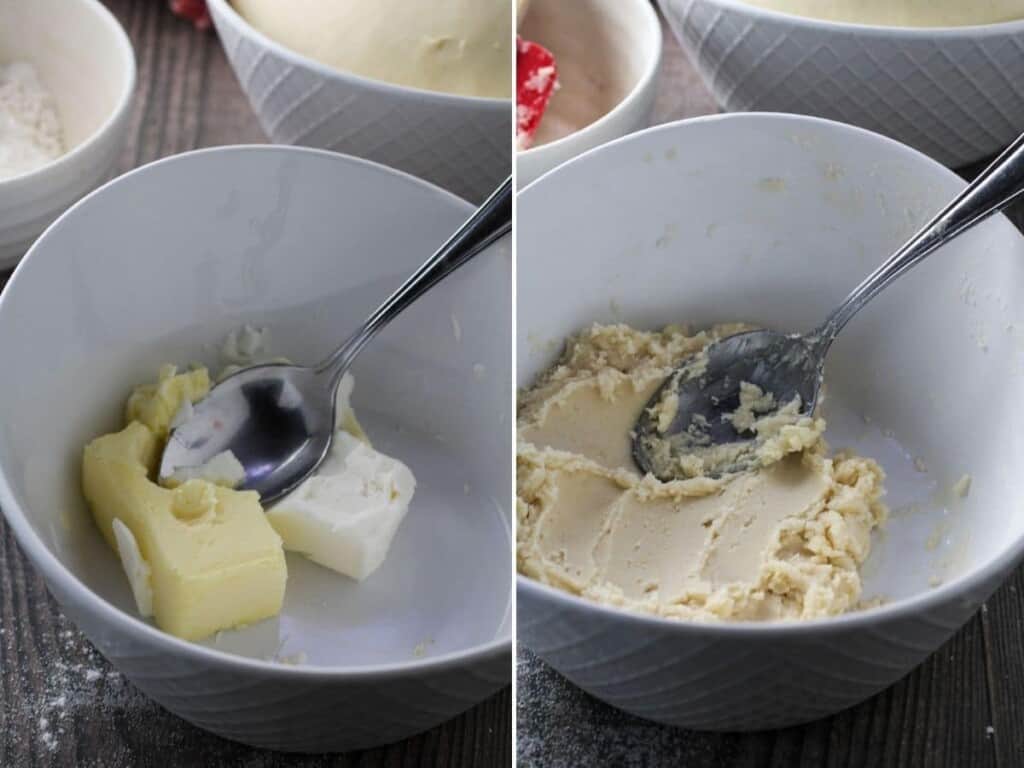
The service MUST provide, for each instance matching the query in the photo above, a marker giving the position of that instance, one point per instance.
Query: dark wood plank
(1003, 619)
(61, 703)
(963, 706)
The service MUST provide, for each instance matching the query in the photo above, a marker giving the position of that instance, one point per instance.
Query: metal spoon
(792, 365)
(279, 420)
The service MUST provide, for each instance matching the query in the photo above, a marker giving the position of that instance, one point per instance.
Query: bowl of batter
(868, 532)
(424, 89)
(940, 75)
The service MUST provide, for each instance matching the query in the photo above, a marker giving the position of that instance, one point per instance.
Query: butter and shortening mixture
(201, 556)
(784, 541)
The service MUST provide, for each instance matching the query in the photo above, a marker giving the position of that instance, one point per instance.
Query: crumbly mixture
(773, 431)
(782, 542)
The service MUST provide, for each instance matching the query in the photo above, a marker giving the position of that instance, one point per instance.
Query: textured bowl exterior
(460, 144)
(730, 678)
(282, 711)
(956, 95)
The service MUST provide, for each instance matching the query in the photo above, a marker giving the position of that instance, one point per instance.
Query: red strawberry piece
(536, 80)
(193, 10)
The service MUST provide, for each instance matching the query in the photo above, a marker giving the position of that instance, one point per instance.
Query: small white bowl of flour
(67, 75)
(30, 131)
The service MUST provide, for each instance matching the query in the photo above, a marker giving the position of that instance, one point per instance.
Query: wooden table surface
(963, 707)
(61, 704)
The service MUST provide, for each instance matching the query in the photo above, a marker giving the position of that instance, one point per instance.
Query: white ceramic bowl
(158, 266)
(772, 219)
(955, 93)
(458, 142)
(86, 60)
(608, 54)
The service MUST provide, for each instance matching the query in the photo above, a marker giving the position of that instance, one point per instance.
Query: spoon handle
(990, 192)
(491, 221)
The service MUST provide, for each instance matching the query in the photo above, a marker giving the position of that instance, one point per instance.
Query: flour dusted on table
(30, 129)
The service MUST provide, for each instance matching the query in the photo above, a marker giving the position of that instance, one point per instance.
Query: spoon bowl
(704, 397)
(786, 366)
(273, 418)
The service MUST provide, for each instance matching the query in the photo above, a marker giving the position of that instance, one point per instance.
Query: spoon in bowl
(701, 399)
(279, 420)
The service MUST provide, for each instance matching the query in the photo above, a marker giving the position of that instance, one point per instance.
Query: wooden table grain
(963, 707)
(61, 704)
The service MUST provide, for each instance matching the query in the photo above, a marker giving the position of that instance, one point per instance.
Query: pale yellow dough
(902, 13)
(462, 47)
(783, 542)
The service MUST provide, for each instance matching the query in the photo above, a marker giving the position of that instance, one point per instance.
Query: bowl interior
(75, 47)
(772, 220)
(305, 243)
(600, 49)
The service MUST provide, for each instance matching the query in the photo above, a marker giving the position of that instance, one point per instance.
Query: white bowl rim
(127, 52)
(645, 82)
(446, 99)
(970, 30)
(898, 609)
(51, 567)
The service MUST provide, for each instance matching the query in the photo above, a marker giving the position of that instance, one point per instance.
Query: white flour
(30, 129)
(76, 685)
